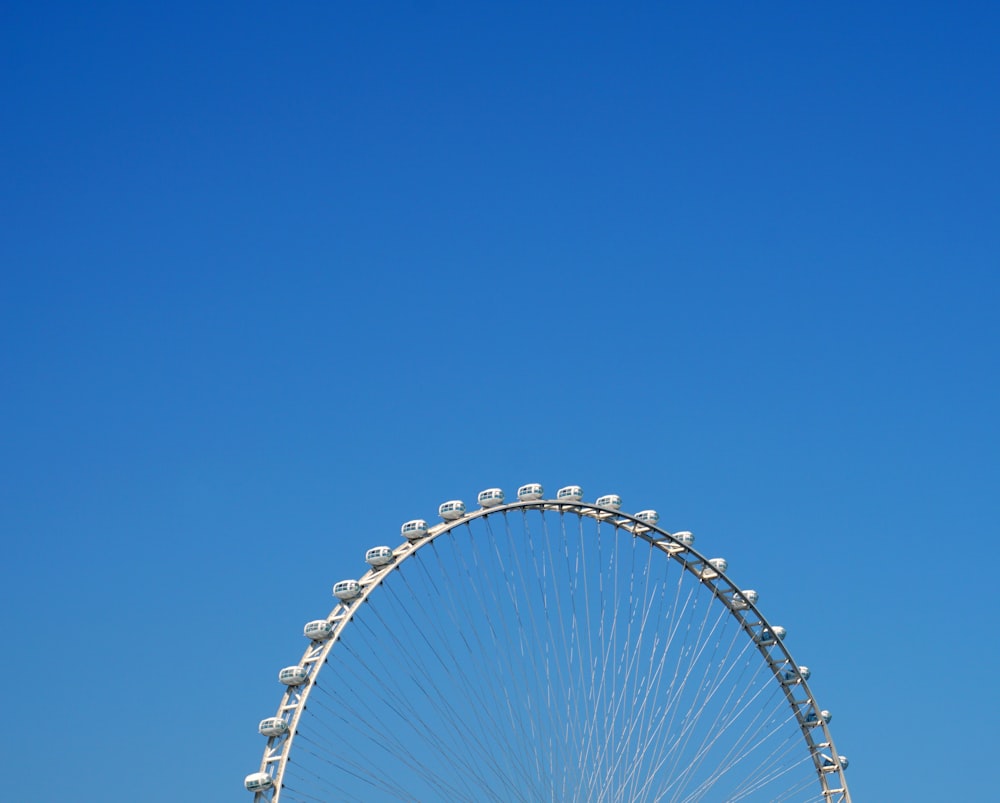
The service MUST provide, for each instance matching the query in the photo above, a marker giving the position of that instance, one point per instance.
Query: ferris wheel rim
(278, 749)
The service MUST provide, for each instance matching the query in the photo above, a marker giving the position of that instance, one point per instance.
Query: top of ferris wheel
(532, 492)
(455, 509)
(380, 558)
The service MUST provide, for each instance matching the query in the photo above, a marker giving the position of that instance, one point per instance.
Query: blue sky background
(277, 278)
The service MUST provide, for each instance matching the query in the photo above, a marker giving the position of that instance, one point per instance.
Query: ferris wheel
(546, 650)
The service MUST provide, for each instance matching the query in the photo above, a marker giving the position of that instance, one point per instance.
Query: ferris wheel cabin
(379, 556)
(648, 517)
(745, 599)
(796, 674)
(571, 493)
(812, 718)
(258, 782)
(829, 765)
(318, 630)
(451, 511)
(613, 501)
(530, 492)
(414, 529)
(272, 726)
(770, 635)
(293, 675)
(346, 590)
(491, 497)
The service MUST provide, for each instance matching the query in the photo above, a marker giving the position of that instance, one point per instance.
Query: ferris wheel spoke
(783, 758)
(520, 630)
(676, 650)
(799, 791)
(476, 654)
(645, 710)
(631, 686)
(621, 610)
(564, 577)
(586, 605)
(467, 746)
(343, 763)
(316, 782)
(696, 687)
(427, 685)
(663, 740)
(720, 681)
(652, 719)
(741, 748)
(501, 704)
(509, 637)
(391, 748)
(538, 641)
(367, 723)
(562, 648)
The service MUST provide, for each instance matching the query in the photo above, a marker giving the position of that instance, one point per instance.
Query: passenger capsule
(414, 530)
(318, 630)
(272, 726)
(812, 718)
(613, 501)
(571, 493)
(769, 635)
(449, 511)
(293, 675)
(685, 537)
(379, 556)
(744, 599)
(648, 516)
(530, 492)
(829, 764)
(258, 782)
(719, 564)
(794, 674)
(346, 589)
(491, 497)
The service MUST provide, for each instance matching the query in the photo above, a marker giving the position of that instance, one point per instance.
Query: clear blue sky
(277, 277)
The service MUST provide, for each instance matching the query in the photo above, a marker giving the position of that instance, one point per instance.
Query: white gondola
(648, 516)
(491, 497)
(714, 568)
(795, 674)
(293, 675)
(450, 511)
(318, 630)
(613, 501)
(258, 782)
(571, 493)
(272, 726)
(770, 635)
(829, 765)
(744, 599)
(346, 589)
(379, 556)
(685, 537)
(414, 530)
(812, 718)
(530, 492)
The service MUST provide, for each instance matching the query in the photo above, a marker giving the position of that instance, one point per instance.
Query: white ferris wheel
(546, 650)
